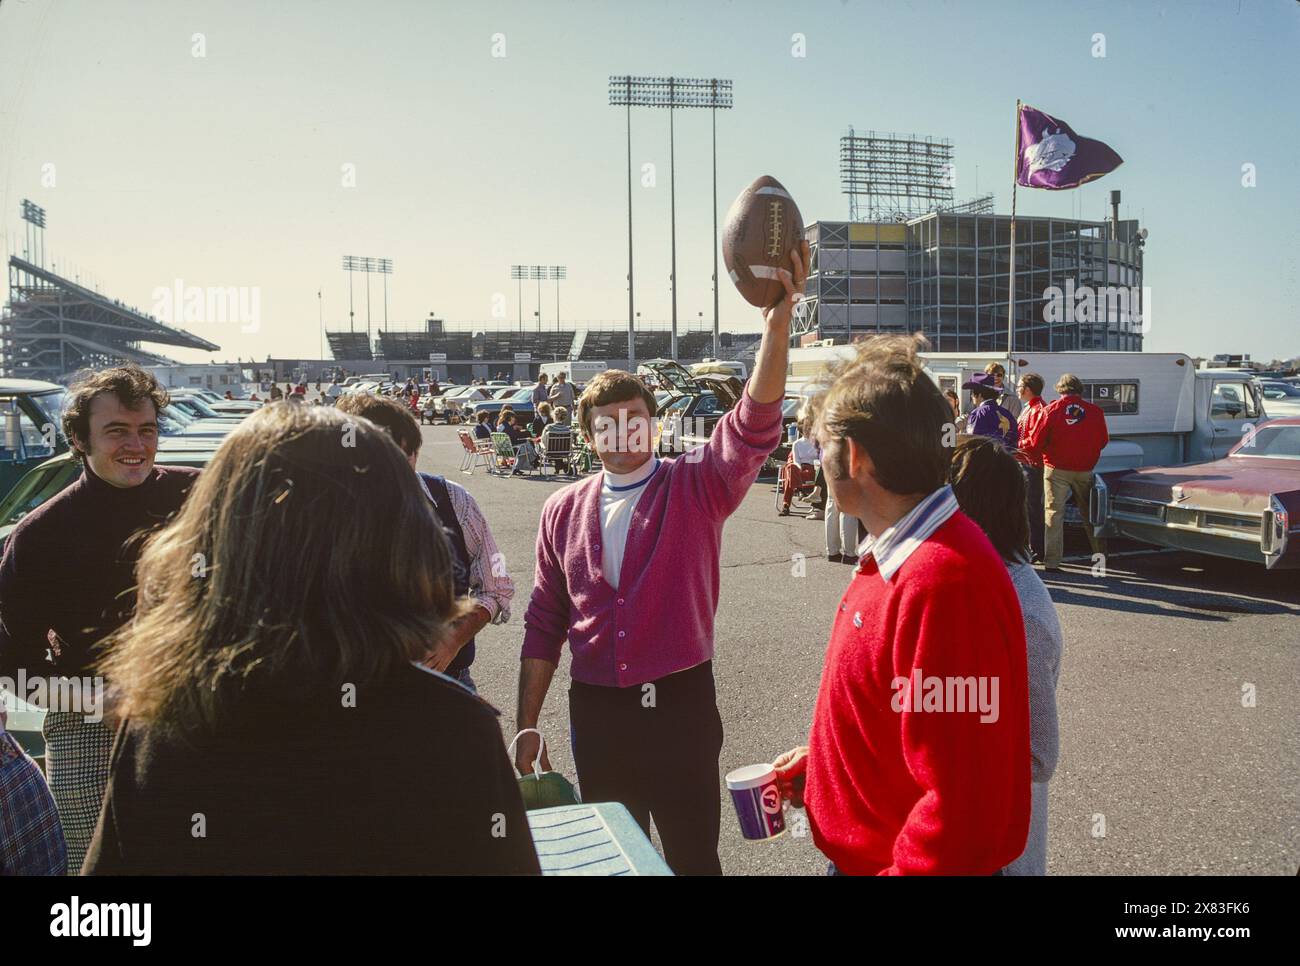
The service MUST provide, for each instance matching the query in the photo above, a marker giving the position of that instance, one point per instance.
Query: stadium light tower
(351, 263)
(34, 215)
(371, 266)
(558, 273)
(519, 273)
(538, 272)
(672, 93)
(385, 268)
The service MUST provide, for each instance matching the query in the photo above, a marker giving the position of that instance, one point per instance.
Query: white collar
(622, 481)
(892, 548)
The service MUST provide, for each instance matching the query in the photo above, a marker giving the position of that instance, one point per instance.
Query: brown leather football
(763, 226)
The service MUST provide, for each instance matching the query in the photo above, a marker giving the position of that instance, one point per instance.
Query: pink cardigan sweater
(660, 620)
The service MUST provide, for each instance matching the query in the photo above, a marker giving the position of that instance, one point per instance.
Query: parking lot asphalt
(1179, 696)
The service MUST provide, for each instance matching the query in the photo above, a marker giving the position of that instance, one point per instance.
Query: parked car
(520, 400)
(1245, 506)
(1280, 398)
(451, 403)
(696, 402)
(32, 411)
(199, 409)
(227, 407)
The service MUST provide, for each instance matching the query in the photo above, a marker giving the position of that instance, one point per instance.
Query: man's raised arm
(726, 466)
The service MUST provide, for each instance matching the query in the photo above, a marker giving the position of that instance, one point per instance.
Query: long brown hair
(306, 555)
(990, 489)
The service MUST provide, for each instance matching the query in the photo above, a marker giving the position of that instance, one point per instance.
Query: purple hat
(981, 380)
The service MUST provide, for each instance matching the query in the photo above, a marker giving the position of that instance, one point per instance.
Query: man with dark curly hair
(67, 579)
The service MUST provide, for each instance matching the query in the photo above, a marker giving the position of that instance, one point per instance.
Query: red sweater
(923, 791)
(1070, 435)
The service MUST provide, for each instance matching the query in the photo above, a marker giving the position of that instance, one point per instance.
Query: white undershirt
(616, 506)
(805, 450)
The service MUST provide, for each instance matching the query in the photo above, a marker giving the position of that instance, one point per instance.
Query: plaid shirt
(31, 838)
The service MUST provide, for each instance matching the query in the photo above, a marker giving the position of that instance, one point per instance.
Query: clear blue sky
(225, 170)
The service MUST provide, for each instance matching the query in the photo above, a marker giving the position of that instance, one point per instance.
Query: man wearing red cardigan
(918, 760)
(627, 573)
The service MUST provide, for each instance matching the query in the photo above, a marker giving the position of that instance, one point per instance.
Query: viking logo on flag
(1052, 156)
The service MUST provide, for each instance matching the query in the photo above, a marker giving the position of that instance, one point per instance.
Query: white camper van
(1160, 410)
(578, 373)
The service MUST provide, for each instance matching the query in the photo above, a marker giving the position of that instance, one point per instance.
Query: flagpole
(1011, 280)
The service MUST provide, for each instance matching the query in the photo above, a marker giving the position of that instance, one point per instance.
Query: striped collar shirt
(892, 548)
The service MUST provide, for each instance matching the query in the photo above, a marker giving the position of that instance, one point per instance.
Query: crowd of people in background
(1062, 453)
(338, 620)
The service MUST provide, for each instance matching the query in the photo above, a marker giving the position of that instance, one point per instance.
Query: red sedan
(1245, 506)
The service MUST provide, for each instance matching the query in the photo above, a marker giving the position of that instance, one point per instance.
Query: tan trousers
(1058, 484)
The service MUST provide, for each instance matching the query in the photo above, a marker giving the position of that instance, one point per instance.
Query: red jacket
(1069, 436)
(896, 785)
(1030, 417)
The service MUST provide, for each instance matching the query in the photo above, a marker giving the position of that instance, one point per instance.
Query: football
(763, 226)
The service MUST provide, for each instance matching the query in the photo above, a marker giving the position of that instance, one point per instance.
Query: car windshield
(677, 406)
(52, 403)
(170, 422)
(205, 409)
(708, 405)
(178, 415)
(1281, 441)
(522, 395)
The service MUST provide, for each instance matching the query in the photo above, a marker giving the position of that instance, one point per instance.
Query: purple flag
(1052, 156)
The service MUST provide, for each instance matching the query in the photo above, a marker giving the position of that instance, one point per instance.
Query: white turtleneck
(619, 494)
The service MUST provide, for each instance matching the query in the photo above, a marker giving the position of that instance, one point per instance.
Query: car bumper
(1267, 537)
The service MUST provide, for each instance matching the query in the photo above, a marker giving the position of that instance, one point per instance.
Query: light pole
(672, 209)
(519, 273)
(558, 273)
(351, 263)
(672, 93)
(620, 93)
(538, 272)
(34, 215)
(371, 266)
(386, 268)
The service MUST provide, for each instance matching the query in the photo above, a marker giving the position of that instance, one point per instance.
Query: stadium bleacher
(502, 345)
(695, 345)
(601, 344)
(349, 345)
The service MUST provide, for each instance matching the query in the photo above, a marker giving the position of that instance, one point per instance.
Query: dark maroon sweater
(68, 568)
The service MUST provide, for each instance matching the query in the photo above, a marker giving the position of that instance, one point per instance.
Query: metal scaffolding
(893, 177)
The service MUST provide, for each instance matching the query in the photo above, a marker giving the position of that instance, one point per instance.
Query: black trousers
(1034, 506)
(655, 748)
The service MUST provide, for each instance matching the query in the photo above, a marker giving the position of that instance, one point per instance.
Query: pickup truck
(1160, 409)
(31, 411)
